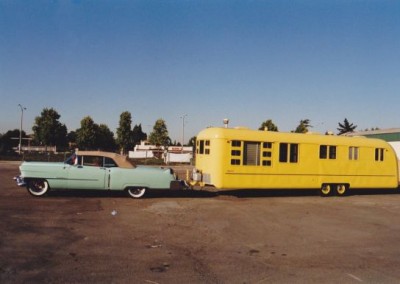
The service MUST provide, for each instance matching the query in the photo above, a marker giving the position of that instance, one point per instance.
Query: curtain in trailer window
(251, 154)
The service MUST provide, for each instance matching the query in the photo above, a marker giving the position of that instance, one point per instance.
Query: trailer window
(294, 148)
(323, 151)
(201, 147)
(283, 152)
(332, 152)
(288, 153)
(326, 152)
(267, 163)
(236, 152)
(251, 154)
(267, 145)
(353, 153)
(236, 143)
(267, 154)
(235, 162)
(207, 147)
(379, 154)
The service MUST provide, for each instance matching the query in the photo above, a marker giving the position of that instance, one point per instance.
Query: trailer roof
(247, 134)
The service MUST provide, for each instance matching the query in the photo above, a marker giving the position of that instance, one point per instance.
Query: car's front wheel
(37, 187)
(136, 192)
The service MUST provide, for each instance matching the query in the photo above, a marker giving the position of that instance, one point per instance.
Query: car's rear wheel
(38, 187)
(136, 192)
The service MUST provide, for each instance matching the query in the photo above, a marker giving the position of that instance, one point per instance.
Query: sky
(206, 60)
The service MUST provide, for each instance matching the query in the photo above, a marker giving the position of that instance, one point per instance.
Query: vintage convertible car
(95, 170)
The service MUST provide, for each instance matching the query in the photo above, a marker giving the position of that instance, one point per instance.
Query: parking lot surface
(197, 237)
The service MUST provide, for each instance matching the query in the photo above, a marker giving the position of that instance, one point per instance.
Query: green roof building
(391, 135)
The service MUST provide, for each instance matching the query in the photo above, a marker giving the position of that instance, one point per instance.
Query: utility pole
(20, 128)
(183, 129)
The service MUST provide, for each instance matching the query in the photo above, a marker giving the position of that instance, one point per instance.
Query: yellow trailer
(240, 158)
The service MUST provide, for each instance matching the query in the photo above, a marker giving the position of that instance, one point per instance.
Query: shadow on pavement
(252, 193)
(242, 193)
(123, 194)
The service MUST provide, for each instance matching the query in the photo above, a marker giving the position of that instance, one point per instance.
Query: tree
(87, 134)
(105, 138)
(124, 133)
(71, 139)
(192, 141)
(269, 125)
(138, 135)
(48, 130)
(346, 127)
(303, 126)
(92, 136)
(159, 136)
(8, 141)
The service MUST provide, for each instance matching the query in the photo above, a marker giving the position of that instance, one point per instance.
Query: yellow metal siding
(309, 172)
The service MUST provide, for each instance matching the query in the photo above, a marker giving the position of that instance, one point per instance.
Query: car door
(89, 173)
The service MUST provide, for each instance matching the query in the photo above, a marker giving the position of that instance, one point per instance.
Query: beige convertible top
(122, 161)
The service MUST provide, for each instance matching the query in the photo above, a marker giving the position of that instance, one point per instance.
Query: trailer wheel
(37, 187)
(325, 190)
(341, 189)
(136, 192)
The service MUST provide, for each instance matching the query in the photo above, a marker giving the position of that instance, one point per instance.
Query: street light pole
(20, 129)
(183, 129)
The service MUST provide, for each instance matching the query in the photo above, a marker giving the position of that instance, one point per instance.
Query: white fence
(172, 154)
(52, 149)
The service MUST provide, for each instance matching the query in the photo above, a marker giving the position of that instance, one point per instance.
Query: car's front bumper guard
(20, 181)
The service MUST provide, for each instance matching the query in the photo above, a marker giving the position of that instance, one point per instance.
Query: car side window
(109, 163)
(93, 161)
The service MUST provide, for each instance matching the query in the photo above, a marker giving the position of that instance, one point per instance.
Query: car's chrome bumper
(20, 181)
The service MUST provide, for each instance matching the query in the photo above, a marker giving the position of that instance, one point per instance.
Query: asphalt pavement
(197, 236)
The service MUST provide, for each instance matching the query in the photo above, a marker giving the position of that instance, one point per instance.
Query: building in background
(171, 154)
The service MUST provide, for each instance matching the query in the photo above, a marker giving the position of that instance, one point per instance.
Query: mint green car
(95, 170)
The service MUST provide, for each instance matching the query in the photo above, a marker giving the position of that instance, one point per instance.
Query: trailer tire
(325, 190)
(341, 189)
